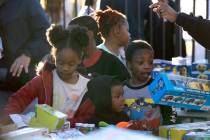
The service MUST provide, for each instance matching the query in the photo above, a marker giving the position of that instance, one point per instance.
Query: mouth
(145, 74)
(122, 106)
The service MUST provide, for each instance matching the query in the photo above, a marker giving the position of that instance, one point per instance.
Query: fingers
(19, 71)
(16, 69)
(26, 69)
(154, 5)
(19, 64)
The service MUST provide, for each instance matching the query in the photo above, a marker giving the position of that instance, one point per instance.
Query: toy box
(180, 91)
(201, 71)
(177, 66)
(165, 64)
(178, 131)
(48, 117)
(205, 135)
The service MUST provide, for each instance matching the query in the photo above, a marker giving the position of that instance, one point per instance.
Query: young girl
(139, 59)
(106, 94)
(97, 61)
(61, 85)
(113, 27)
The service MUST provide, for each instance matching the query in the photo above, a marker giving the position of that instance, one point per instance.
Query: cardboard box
(178, 131)
(180, 91)
(48, 117)
(201, 71)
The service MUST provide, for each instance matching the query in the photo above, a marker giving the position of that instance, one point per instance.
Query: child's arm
(84, 113)
(23, 97)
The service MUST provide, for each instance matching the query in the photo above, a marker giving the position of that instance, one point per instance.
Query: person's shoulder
(109, 56)
(85, 78)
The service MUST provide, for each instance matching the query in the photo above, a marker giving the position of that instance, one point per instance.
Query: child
(106, 94)
(113, 27)
(139, 59)
(60, 85)
(96, 60)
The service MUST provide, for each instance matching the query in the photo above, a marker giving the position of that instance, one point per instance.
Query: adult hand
(164, 10)
(20, 63)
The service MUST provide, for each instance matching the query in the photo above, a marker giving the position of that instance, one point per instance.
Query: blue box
(180, 91)
(201, 71)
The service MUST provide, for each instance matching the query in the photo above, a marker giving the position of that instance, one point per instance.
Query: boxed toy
(201, 135)
(181, 66)
(178, 65)
(165, 64)
(201, 70)
(178, 131)
(48, 117)
(180, 91)
(161, 66)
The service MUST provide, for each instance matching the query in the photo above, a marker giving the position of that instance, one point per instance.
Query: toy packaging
(178, 66)
(48, 117)
(178, 131)
(181, 66)
(201, 71)
(180, 91)
(165, 64)
(205, 135)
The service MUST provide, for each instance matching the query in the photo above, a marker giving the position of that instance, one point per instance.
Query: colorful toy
(180, 91)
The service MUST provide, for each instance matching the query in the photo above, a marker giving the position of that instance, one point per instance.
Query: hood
(99, 91)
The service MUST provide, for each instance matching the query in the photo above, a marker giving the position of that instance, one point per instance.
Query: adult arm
(36, 45)
(197, 27)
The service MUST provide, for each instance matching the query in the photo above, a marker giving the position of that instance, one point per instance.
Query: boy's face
(66, 62)
(117, 98)
(141, 65)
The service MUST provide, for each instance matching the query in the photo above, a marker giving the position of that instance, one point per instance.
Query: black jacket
(23, 25)
(197, 27)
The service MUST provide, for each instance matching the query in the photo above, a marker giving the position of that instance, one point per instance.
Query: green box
(48, 117)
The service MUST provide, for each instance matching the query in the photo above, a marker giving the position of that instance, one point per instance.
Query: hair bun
(78, 35)
(55, 34)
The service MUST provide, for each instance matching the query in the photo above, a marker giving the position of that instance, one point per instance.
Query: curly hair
(74, 37)
(107, 19)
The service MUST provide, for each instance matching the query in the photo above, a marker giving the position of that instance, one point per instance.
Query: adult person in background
(197, 27)
(163, 35)
(87, 9)
(23, 24)
(53, 9)
(137, 12)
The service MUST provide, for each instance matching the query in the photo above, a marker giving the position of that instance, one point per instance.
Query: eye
(140, 62)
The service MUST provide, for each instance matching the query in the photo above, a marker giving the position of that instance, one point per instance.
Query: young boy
(139, 59)
(106, 94)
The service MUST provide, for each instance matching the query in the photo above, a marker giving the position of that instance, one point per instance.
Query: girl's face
(124, 35)
(117, 98)
(141, 65)
(66, 62)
